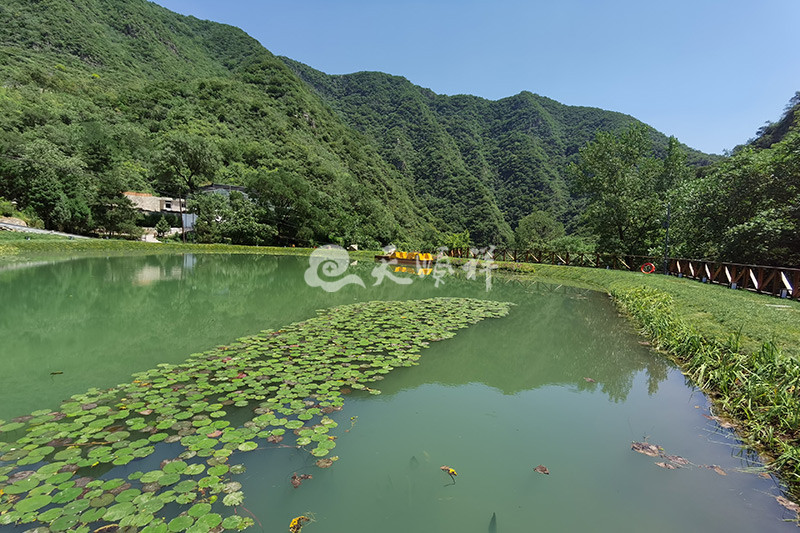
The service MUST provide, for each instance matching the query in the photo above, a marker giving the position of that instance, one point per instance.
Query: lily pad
(247, 446)
(119, 511)
(199, 509)
(180, 523)
(32, 503)
(233, 499)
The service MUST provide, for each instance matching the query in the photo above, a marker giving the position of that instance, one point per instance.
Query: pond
(561, 381)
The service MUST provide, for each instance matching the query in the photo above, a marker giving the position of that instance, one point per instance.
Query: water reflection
(494, 401)
(541, 347)
(97, 320)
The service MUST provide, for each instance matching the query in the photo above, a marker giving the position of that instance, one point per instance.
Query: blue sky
(709, 72)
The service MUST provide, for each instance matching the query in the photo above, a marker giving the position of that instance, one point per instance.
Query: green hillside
(517, 148)
(97, 98)
(101, 97)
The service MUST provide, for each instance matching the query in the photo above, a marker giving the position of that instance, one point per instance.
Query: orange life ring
(648, 268)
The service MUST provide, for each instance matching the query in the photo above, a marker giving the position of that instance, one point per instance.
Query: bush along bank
(759, 391)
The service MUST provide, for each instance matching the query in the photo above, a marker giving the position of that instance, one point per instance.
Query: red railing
(777, 281)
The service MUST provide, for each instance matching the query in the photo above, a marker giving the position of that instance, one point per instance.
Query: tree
(184, 161)
(617, 174)
(232, 219)
(536, 230)
(290, 206)
(162, 227)
(51, 182)
(112, 211)
(457, 241)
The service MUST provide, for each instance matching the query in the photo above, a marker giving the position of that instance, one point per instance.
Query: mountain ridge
(519, 146)
(106, 88)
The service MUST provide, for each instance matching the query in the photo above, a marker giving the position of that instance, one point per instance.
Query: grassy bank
(15, 248)
(741, 348)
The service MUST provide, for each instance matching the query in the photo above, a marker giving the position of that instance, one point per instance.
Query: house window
(167, 205)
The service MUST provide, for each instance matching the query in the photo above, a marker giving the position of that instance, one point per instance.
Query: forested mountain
(102, 96)
(512, 154)
(98, 97)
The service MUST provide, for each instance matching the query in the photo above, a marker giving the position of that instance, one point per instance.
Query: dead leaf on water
(718, 469)
(542, 470)
(722, 423)
(326, 462)
(646, 448)
(788, 504)
(297, 480)
(667, 466)
(677, 459)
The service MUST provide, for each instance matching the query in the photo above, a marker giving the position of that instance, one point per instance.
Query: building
(148, 203)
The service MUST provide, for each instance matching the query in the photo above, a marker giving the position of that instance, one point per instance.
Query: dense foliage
(112, 96)
(743, 209)
(747, 208)
(98, 98)
(484, 165)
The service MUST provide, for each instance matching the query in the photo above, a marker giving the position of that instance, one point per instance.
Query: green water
(497, 400)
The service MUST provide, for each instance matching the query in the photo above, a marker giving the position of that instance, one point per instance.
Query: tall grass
(760, 390)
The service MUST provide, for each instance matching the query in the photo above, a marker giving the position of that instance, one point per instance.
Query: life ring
(648, 268)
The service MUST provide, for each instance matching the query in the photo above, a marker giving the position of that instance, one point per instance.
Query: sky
(709, 72)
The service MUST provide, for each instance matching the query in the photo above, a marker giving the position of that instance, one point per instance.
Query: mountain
(98, 95)
(512, 153)
(102, 96)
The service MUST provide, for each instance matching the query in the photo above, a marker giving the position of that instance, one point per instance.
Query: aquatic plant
(758, 390)
(284, 383)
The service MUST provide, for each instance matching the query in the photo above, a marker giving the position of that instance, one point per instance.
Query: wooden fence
(776, 281)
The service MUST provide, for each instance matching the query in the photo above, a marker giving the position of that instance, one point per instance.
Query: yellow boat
(418, 259)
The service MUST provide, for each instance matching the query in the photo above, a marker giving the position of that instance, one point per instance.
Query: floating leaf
(180, 523)
(174, 467)
(676, 459)
(209, 521)
(235, 522)
(247, 446)
(150, 477)
(218, 470)
(718, 470)
(64, 523)
(233, 499)
(32, 503)
(199, 509)
(102, 500)
(668, 466)
(788, 504)
(119, 511)
(238, 469)
(327, 462)
(646, 448)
